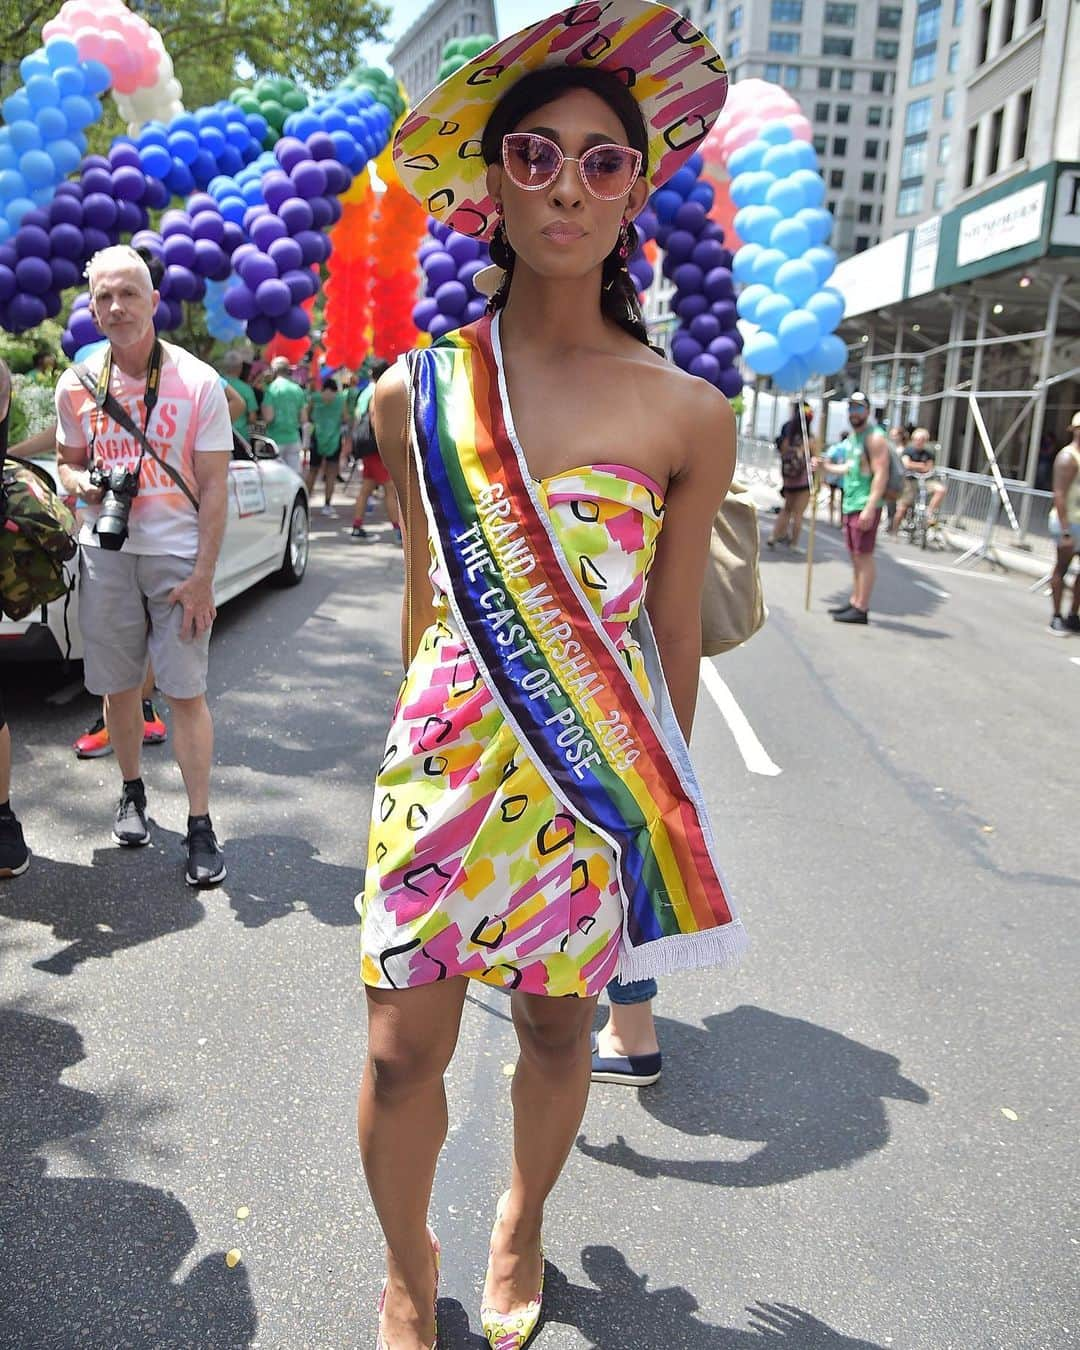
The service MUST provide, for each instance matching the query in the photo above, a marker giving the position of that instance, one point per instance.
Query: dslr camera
(120, 489)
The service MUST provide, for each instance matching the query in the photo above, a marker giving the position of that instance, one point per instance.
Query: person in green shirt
(284, 409)
(232, 364)
(329, 414)
(866, 476)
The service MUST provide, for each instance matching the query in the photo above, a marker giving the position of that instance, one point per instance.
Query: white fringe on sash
(683, 951)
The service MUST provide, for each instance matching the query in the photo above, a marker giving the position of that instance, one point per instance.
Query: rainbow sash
(556, 676)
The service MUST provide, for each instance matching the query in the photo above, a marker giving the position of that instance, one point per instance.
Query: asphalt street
(864, 1138)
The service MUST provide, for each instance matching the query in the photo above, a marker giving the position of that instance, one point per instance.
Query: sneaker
(205, 860)
(328, 511)
(629, 1070)
(358, 532)
(853, 614)
(1058, 627)
(14, 855)
(1072, 623)
(154, 728)
(94, 742)
(839, 609)
(130, 829)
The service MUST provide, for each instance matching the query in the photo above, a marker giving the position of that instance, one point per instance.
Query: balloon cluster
(459, 51)
(785, 263)
(347, 316)
(751, 105)
(357, 124)
(220, 324)
(707, 342)
(140, 70)
(639, 265)
(393, 255)
(383, 88)
(449, 262)
(197, 147)
(46, 118)
(272, 100)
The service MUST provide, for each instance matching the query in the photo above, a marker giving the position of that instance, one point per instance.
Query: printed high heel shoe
(380, 1344)
(512, 1330)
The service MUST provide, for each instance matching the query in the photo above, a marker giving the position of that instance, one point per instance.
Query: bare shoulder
(699, 416)
(390, 414)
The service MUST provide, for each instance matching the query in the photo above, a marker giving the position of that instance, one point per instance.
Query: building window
(939, 194)
(1022, 118)
(972, 155)
(922, 69)
(734, 18)
(847, 79)
(710, 32)
(840, 16)
(873, 117)
(957, 13)
(870, 149)
(1036, 11)
(821, 112)
(830, 206)
(909, 200)
(879, 82)
(839, 146)
(889, 16)
(734, 45)
(792, 77)
(862, 243)
(869, 182)
(836, 178)
(820, 142)
(772, 73)
(913, 160)
(866, 214)
(947, 105)
(885, 49)
(917, 117)
(783, 42)
(994, 160)
(843, 113)
(983, 47)
(927, 27)
(835, 46)
(943, 147)
(953, 63)
(786, 11)
(1008, 22)
(824, 77)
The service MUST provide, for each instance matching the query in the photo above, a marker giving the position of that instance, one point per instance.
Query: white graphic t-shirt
(191, 417)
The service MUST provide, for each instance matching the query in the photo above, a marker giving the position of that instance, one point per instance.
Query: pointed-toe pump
(512, 1330)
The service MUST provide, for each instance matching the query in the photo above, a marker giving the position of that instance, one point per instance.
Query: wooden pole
(815, 489)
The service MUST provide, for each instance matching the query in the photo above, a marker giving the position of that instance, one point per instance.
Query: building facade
(416, 56)
(982, 97)
(840, 62)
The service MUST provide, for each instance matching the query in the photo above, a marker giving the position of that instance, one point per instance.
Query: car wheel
(291, 572)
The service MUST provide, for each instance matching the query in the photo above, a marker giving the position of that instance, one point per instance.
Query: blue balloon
(61, 52)
(827, 306)
(682, 182)
(797, 280)
(818, 221)
(16, 209)
(37, 63)
(12, 184)
(771, 310)
(758, 187)
(24, 136)
(821, 259)
(17, 108)
(743, 266)
(799, 332)
(79, 111)
(812, 184)
(703, 193)
(665, 203)
(781, 160)
(97, 76)
(52, 123)
(767, 264)
(763, 354)
(776, 133)
(792, 238)
(749, 300)
(792, 375)
(70, 80)
(829, 356)
(38, 169)
(757, 224)
(786, 196)
(804, 155)
(42, 92)
(747, 159)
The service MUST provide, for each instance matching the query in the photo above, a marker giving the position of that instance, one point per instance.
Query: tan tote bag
(732, 602)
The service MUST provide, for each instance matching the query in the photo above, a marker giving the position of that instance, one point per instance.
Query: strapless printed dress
(474, 867)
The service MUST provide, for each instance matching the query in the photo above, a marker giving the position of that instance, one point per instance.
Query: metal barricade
(757, 460)
(974, 504)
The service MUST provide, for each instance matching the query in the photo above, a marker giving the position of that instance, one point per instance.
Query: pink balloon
(91, 45)
(800, 127)
(741, 134)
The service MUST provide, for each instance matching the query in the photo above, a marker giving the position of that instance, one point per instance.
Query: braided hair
(618, 299)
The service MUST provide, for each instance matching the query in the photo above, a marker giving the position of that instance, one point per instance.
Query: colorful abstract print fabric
(675, 73)
(473, 866)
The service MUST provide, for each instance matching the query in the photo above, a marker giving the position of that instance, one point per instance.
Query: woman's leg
(797, 504)
(630, 1029)
(550, 1089)
(329, 469)
(780, 524)
(402, 1125)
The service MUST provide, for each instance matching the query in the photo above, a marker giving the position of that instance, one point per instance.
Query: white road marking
(952, 571)
(1075, 660)
(755, 756)
(926, 586)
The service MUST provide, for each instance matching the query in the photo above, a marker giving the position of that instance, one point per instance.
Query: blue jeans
(637, 991)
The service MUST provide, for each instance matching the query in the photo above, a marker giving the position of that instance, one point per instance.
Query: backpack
(363, 436)
(36, 536)
(895, 485)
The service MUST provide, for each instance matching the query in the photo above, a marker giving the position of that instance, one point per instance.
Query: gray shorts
(125, 617)
(290, 453)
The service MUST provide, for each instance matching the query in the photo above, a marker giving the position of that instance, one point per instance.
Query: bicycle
(917, 525)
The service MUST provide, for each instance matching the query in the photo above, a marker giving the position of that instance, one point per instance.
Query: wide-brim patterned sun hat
(675, 73)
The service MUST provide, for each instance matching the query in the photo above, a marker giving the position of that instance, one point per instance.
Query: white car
(266, 535)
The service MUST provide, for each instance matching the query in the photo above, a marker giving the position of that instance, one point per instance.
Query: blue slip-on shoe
(631, 1070)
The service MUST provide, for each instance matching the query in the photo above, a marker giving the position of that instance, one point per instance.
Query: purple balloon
(7, 285)
(31, 241)
(260, 330)
(266, 229)
(157, 194)
(709, 254)
(179, 282)
(81, 301)
(727, 312)
(462, 248)
(335, 208)
(70, 190)
(96, 239)
(179, 251)
(440, 230)
(239, 301)
(254, 213)
(429, 245)
(719, 284)
(308, 178)
(423, 312)
(439, 268)
(679, 248)
(36, 217)
(684, 349)
(148, 239)
(277, 187)
(234, 237)
(691, 216)
(130, 217)
(97, 180)
(27, 311)
(211, 260)
(322, 213)
(705, 366)
(83, 328)
(468, 270)
(123, 155)
(294, 323)
(301, 284)
(99, 211)
(452, 297)
(724, 350)
(175, 222)
(199, 202)
(33, 276)
(257, 268)
(129, 184)
(689, 278)
(208, 225)
(65, 211)
(690, 307)
(287, 253)
(442, 324)
(51, 301)
(311, 244)
(704, 329)
(338, 178)
(321, 146)
(295, 212)
(273, 297)
(65, 274)
(475, 310)
(730, 382)
(290, 152)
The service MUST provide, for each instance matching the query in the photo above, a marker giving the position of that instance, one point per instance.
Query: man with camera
(144, 439)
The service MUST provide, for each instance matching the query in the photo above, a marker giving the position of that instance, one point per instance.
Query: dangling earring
(624, 241)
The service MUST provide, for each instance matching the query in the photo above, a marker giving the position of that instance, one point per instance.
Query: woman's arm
(1065, 470)
(390, 422)
(673, 597)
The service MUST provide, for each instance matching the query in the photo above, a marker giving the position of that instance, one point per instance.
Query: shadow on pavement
(810, 1097)
(292, 880)
(93, 1261)
(124, 898)
(621, 1311)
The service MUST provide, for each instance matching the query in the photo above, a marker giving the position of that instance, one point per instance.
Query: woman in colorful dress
(536, 824)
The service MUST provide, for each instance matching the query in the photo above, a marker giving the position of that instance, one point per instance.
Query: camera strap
(110, 405)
